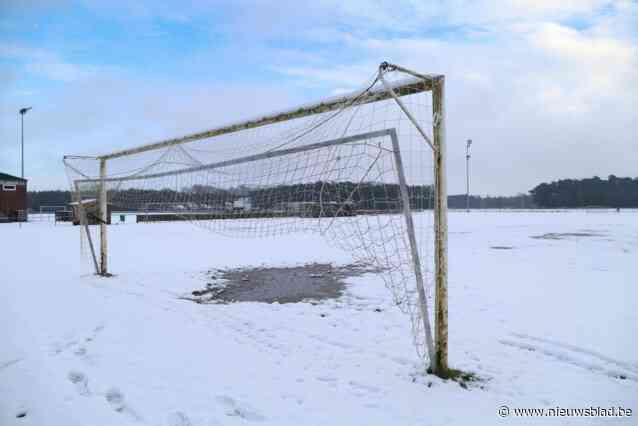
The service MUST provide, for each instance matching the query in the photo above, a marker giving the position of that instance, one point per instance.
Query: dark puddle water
(315, 281)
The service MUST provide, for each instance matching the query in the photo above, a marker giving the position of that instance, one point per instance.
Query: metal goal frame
(415, 83)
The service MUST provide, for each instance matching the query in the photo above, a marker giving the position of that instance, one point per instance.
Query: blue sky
(548, 87)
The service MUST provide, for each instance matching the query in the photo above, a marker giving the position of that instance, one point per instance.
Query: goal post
(85, 226)
(416, 258)
(334, 167)
(104, 211)
(440, 224)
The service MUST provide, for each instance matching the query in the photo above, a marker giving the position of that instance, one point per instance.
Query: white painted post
(440, 227)
(103, 220)
(416, 260)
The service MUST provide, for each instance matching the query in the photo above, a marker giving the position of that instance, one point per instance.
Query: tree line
(593, 192)
(365, 196)
(567, 193)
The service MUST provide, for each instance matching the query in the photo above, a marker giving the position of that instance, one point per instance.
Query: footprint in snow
(330, 381)
(178, 418)
(9, 363)
(362, 387)
(83, 354)
(80, 381)
(21, 412)
(233, 408)
(115, 398)
(59, 347)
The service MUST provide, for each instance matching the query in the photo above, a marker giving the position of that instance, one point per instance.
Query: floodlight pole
(440, 227)
(22, 112)
(103, 220)
(467, 174)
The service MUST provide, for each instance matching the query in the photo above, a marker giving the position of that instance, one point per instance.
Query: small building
(91, 210)
(13, 198)
(243, 204)
(317, 209)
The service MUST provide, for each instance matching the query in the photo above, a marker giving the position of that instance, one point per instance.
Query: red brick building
(13, 198)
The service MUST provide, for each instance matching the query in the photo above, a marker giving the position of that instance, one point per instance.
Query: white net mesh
(333, 172)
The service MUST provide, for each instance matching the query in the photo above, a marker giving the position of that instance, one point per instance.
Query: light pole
(467, 174)
(22, 112)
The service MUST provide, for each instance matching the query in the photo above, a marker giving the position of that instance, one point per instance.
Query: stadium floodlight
(467, 174)
(365, 170)
(22, 112)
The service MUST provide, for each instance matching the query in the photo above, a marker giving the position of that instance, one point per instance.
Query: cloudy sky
(547, 89)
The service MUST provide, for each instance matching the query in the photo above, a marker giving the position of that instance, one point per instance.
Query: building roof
(85, 201)
(4, 176)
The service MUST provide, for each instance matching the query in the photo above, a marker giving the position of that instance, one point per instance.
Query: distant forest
(568, 193)
(594, 192)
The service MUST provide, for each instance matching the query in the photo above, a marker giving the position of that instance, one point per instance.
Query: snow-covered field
(544, 322)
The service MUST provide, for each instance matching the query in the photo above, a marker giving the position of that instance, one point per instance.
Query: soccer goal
(366, 170)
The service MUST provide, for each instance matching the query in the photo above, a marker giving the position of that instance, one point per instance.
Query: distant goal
(366, 170)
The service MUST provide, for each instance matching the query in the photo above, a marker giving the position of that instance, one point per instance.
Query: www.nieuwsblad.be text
(613, 411)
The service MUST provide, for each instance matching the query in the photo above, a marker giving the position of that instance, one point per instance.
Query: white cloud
(47, 64)
(570, 44)
(584, 68)
(547, 100)
(554, 7)
(58, 70)
(351, 77)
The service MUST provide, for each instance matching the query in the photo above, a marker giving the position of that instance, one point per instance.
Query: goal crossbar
(387, 90)
(249, 158)
(407, 86)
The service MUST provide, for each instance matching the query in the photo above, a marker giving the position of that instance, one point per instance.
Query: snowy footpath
(543, 309)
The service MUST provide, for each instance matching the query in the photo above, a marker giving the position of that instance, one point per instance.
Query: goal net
(357, 169)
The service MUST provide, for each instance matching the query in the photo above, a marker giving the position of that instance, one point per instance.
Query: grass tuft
(463, 378)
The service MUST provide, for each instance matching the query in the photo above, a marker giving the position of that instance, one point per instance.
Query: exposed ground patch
(565, 235)
(315, 281)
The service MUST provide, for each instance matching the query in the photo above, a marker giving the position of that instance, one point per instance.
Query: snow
(548, 322)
